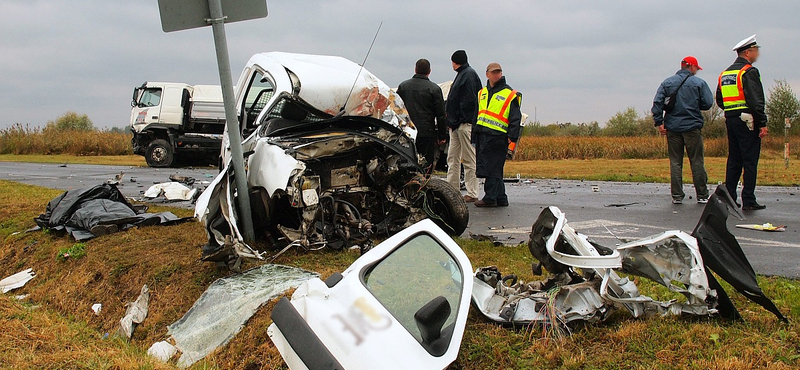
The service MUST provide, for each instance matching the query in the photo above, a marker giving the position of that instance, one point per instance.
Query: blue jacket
(694, 96)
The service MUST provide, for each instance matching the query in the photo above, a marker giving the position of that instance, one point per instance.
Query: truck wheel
(448, 206)
(159, 154)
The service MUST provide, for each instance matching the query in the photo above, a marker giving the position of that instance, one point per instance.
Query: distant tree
(781, 104)
(629, 123)
(71, 121)
(120, 130)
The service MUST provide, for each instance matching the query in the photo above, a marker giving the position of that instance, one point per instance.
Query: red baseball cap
(691, 61)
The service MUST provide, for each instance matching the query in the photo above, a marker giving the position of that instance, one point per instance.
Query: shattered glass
(226, 305)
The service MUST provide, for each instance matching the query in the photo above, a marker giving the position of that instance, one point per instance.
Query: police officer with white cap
(741, 95)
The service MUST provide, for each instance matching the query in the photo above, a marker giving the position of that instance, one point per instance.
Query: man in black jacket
(462, 111)
(741, 95)
(498, 124)
(425, 105)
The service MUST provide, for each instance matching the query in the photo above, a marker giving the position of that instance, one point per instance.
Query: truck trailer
(171, 122)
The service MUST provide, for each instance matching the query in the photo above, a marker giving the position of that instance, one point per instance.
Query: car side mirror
(430, 319)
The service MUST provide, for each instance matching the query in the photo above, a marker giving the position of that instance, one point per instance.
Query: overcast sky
(575, 61)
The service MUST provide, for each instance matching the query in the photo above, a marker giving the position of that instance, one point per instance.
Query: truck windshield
(151, 97)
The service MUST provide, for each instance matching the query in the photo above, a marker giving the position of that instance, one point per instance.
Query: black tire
(448, 205)
(160, 154)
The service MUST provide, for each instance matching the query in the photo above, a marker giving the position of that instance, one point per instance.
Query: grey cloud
(574, 60)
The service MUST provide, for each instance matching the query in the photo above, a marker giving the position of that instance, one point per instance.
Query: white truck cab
(171, 121)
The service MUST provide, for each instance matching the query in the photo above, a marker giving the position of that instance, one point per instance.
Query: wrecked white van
(330, 161)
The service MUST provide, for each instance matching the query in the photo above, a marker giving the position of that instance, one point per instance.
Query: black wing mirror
(430, 319)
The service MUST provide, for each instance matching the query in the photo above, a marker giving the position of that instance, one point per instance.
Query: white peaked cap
(746, 42)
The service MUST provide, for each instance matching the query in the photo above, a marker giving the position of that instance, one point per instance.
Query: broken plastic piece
(135, 313)
(17, 280)
(162, 351)
(763, 227)
(170, 191)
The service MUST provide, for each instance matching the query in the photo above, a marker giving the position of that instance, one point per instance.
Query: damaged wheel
(448, 207)
(159, 154)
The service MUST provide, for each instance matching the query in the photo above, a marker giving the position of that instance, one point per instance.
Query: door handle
(154, 117)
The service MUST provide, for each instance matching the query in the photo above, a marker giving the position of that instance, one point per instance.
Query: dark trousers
(692, 142)
(495, 191)
(427, 147)
(491, 158)
(744, 148)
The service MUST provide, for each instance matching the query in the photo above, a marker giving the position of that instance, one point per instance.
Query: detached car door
(402, 305)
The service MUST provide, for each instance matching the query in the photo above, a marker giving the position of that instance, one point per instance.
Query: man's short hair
(423, 67)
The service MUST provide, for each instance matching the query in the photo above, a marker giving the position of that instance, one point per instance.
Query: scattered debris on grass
(17, 280)
(94, 211)
(135, 313)
(162, 351)
(674, 259)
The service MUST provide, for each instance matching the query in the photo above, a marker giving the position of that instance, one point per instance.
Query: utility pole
(179, 15)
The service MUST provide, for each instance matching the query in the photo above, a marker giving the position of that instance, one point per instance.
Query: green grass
(75, 252)
(55, 328)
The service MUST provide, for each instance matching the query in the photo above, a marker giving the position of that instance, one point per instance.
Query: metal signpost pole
(217, 21)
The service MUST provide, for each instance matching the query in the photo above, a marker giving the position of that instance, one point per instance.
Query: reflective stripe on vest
(494, 114)
(730, 84)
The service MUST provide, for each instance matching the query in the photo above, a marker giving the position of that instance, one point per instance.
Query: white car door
(402, 305)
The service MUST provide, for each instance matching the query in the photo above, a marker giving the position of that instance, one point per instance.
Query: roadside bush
(71, 121)
(19, 139)
(628, 123)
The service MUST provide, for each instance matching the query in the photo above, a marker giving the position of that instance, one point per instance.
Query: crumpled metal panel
(271, 168)
(329, 83)
(723, 255)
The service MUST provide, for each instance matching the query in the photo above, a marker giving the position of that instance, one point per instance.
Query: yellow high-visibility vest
(730, 84)
(494, 114)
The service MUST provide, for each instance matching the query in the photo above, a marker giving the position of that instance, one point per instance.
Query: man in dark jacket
(425, 105)
(741, 95)
(462, 110)
(498, 124)
(683, 126)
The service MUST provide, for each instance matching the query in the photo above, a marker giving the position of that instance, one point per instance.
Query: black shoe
(501, 204)
(753, 207)
(481, 203)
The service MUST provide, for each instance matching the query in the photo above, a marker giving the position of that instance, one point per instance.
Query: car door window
(258, 95)
(413, 275)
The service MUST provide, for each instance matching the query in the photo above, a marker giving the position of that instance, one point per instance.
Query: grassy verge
(55, 327)
(115, 160)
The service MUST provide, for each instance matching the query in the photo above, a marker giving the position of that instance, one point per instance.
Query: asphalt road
(587, 205)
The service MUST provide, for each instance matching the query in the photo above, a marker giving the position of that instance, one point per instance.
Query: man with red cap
(677, 114)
